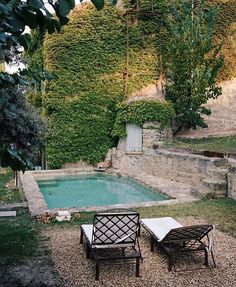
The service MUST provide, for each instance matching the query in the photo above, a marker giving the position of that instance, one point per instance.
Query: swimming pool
(95, 190)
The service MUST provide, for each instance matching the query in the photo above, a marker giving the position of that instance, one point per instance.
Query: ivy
(225, 30)
(81, 131)
(88, 58)
(141, 111)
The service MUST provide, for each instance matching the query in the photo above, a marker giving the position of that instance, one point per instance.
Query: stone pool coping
(38, 206)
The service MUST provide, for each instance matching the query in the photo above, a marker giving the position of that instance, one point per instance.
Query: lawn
(222, 145)
(220, 212)
(18, 237)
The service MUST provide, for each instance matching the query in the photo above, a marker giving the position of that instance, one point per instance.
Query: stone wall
(223, 108)
(205, 175)
(153, 137)
(232, 180)
(213, 176)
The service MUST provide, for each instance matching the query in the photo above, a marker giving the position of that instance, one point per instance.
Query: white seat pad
(160, 226)
(88, 231)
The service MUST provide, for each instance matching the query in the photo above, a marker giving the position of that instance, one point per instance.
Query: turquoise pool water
(95, 190)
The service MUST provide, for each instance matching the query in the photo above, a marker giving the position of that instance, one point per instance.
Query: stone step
(8, 213)
(220, 174)
(218, 186)
(10, 206)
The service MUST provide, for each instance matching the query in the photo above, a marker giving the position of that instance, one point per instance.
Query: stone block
(8, 213)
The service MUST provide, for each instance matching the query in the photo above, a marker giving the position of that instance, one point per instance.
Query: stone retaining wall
(223, 108)
(205, 175)
(232, 180)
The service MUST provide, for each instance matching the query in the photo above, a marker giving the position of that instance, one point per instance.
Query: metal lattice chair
(113, 236)
(175, 238)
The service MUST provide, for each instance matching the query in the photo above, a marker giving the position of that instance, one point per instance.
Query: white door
(134, 137)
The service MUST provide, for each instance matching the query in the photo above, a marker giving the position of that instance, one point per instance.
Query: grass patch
(220, 212)
(19, 238)
(8, 195)
(222, 145)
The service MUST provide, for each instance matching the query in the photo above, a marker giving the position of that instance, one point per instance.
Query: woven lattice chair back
(187, 233)
(115, 228)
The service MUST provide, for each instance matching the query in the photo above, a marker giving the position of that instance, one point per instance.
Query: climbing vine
(140, 111)
(88, 58)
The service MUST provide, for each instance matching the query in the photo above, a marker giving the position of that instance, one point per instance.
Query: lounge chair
(174, 238)
(112, 236)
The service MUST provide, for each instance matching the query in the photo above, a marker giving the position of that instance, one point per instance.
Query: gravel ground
(75, 270)
(37, 272)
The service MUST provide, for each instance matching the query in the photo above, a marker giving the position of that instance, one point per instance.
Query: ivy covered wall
(88, 59)
(226, 33)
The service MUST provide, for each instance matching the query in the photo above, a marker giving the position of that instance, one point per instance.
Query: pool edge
(38, 206)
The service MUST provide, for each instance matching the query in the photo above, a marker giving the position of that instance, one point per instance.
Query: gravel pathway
(75, 270)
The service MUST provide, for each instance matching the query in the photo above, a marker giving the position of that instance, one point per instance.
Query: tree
(16, 120)
(15, 15)
(22, 130)
(192, 62)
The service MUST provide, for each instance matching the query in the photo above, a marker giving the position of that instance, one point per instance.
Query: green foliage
(225, 30)
(22, 130)
(192, 63)
(22, 233)
(88, 58)
(8, 194)
(140, 111)
(35, 62)
(15, 16)
(10, 157)
(82, 130)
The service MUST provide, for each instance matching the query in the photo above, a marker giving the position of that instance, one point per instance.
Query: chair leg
(88, 252)
(170, 263)
(152, 243)
(123, 252)
(139, 230)
(97, 272)
(137, 267)
(213, 259)
(81, 236)
(206, 258)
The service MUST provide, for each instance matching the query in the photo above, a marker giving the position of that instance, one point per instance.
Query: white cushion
(88, 231)
(160, 226)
